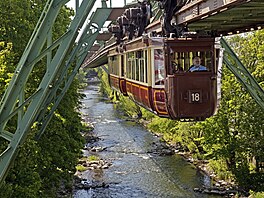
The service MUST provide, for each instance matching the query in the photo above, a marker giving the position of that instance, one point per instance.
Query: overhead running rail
(222, 17)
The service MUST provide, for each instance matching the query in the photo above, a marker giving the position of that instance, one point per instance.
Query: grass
(80, 168)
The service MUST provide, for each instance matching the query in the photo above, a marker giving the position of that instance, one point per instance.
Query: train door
(142, 59)
(158, 78)
(122, 80)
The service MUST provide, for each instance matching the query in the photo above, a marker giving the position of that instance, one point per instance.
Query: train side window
(141, 60)
(142, 70)
(114, 65)
(110, 64)
(128, 70)
(146, 66)
(130, 62)
(137, 69)
(159, 66)
(133, 69)
(122, 65)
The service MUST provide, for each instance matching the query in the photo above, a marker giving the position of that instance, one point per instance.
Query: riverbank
(219, 186)
(160, 148)
(140, 164)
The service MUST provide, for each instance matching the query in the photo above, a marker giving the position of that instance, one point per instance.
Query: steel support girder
(80, 51)
(243, 75)
(24, 68)
(87, 39)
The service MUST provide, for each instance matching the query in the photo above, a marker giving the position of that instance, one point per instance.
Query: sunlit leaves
(42, 165)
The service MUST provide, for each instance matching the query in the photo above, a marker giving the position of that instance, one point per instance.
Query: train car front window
(185, 61)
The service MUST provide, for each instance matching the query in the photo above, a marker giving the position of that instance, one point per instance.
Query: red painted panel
(149, 98)
(144, 94)
(114, 82)
(135, 92)
(122, 85)
(159, 102)
(192, 95)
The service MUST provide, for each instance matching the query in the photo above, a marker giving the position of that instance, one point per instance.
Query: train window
(159, 66)
(139, 54)
(146, 67)
(133, 69)
(114, 65)
(122, 65)
(137, 65)
(111, 64)
(182, 61)
(137, 70)
(141, 64)
(130, 60)
(141, 71)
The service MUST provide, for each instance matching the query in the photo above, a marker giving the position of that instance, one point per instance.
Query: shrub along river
(133, 167)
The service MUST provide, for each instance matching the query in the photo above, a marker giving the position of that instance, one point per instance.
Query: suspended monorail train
(155, 73)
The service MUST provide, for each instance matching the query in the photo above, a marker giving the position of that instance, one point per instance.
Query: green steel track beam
(243, 75)
(80, 51)
(14, 104)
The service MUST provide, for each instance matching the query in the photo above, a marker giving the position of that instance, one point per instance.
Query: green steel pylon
(56, 80)
(80, 52)
(243, 75)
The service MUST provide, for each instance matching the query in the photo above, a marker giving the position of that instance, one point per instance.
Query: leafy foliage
(43, 166)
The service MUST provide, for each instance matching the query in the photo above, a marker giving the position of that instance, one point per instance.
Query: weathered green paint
(88, 37)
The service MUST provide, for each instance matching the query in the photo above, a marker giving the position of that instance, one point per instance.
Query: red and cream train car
(154, 72)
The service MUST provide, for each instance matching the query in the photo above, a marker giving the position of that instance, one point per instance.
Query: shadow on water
(135, 170)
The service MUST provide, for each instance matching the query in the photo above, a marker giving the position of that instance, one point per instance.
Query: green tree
(43, 166)
(235, 134)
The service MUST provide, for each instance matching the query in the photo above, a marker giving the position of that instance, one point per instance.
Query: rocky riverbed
(158, 147)
(121, 159)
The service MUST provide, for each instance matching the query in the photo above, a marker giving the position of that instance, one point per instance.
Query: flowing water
(135, 170)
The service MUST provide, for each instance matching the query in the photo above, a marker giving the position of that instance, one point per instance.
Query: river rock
(94, 185)
(96, 149)
(97, 164)
(215, 190)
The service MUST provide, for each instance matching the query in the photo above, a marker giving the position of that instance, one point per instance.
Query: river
(135, 171)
